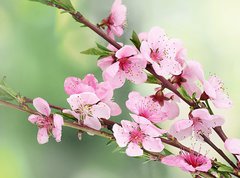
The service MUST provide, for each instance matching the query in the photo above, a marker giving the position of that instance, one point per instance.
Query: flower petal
(42, 136)
(34, 118)
(122, 137)
(232, 145)
(134, 150)
(42, 106)
(92, 123)
(152, 144)
(101, 110)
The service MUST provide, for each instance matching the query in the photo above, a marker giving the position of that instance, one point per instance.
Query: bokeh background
(39, 48)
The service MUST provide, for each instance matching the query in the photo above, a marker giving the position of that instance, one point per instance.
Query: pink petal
(201, 113)
(232, 145)
(115, 108)
(122, 137)
(117, 81)
(92, 123)
(152, 144)
(104, 63)
(171, 67)
(118, 12)
(133, 102)
(42, 136)
(42, 106)
(128, 126)
(101, 110)
(135, 72)
(222, 101)
(34, 118)
(182, 129)
(171, 108)
(71, 85)
(216, 121)
(57, 134)
(146, 51)
(172, 160)
(104, 91)
(157, 38)
(58, 121)
(73, 113)
(134, 150)
(112, 70)
(126, 51)
(90, 80)
(193, 71)
(209, 90)
(205, 167)
(77, 100)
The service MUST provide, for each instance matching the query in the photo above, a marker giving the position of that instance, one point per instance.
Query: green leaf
(151, 79)
(103, 48)
(7, 93)
(184, 93)
(66, 5)
(95, 51)
(135, 40)
(47, 2)
(224, 168)
(165, 152)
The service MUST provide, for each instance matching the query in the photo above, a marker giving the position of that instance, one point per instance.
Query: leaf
(184, 93)
(151, 79)
(135, 40)
(7, 93)
(165, 152)
(103, 48)
(66, 5)
(224, 168)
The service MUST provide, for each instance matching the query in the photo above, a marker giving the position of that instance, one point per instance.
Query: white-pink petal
(92, 122)
(34, 118)
(133, 150)
(42, 135)
(101, 110)
(42, 106)
(152, 144)
(233, 145)
(122, 137)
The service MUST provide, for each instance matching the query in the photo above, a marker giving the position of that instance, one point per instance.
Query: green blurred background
(39, 48)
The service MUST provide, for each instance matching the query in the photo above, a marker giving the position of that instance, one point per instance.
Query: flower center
(84, 110)
(194, 160)
(155, 55)
(136, 136)
(124, 63)
(44, 122)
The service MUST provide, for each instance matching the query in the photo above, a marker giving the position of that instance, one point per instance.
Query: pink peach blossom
(150, 109)
(199, 122)
(188, 162)
(161, 52)
(103, 90)
(129, 65)
(190, 78)
(116, 20)
(233, 146)
(87, 108)
(46, 122)
(138, 135)
(215, 91)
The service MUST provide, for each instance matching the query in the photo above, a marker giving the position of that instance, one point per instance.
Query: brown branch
(219, 151)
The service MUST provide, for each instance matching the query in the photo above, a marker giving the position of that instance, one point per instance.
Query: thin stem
(219, 151)
(88, 129)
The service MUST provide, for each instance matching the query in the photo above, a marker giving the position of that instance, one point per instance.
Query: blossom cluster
(92, 101)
